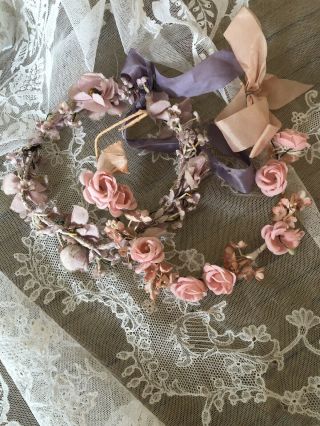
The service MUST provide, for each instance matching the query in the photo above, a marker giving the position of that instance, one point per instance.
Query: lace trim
(241, 357)
(60, 381)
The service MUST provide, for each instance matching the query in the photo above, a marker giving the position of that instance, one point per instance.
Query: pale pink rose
(147, 250)
(93, 92)
(291, 140)
(272, 178)
(218, 280)
(280, 239)
(123, 200)
(189, 289)
(100, 188)
(75, 258)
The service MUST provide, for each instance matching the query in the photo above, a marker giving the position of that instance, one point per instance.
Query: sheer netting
(251, 358)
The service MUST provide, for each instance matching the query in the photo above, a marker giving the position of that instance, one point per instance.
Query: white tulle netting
(249, 359)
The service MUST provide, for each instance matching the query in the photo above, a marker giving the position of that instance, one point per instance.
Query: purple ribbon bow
(213, 73)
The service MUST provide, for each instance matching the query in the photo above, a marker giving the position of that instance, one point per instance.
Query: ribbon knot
(213, 73)
(247, 121)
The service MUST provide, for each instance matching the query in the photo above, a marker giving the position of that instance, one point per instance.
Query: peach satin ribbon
(247, 121)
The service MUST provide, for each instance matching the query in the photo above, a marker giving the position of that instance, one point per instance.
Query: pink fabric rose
(272, 178)
(218, 280)
(93, 92)
(147, 250)
(123, 200)
(189, 289)
(100, 188)
(291, 140)
(280, 239)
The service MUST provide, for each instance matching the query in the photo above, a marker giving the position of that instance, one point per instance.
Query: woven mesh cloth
(251, 358)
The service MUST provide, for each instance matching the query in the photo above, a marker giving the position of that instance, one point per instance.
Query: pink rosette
(291, 140)
(272, 178)
(123, 200)
(189, 289)
(219, 280)
(97, 94)
(147, 250)
(280, 239)
(100, 188)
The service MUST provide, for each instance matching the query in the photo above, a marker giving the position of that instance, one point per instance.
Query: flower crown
(134, 238)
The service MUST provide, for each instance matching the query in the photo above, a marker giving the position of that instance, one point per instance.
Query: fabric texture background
(251, 358)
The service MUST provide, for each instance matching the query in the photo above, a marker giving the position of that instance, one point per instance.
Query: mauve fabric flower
(272, 178)
(11, 184)
(280, 239)
(100, 188)
(33, 189)
(218, 280)
(189, 289)
(37, 192)
(97, 94)
(75, 258)
(292, 140)
(157, 104)
(196, 168)
(123, 200)
(302, 200)
(147, 250)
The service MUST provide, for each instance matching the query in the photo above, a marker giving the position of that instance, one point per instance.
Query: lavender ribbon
(240, 179)
(214, 73)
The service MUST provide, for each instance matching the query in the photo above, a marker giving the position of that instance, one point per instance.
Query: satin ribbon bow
(247, 121)
(213, 73)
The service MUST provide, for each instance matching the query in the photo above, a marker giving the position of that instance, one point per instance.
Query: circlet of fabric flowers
(137, 237)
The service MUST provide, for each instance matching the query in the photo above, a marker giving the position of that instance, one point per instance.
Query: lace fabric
(251, 358)
(60, 381)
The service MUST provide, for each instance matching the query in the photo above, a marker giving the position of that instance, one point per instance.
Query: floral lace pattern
(200, 353)
(309, 122)
(37, 354)
(241, 357)
(21, 89)
(209, 13)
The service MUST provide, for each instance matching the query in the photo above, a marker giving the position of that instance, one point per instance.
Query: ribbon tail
(213, 73)
(240, 179)
(280, 92)
(249, 45)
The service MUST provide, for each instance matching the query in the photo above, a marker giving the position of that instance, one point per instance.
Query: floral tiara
(135, 237)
